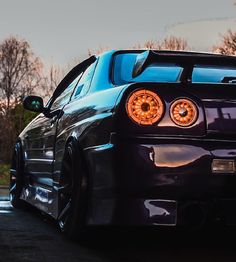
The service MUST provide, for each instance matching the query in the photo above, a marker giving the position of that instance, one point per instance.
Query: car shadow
(136, 244)
(153, 244)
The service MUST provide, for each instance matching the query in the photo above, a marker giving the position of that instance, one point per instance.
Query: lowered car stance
(133, 138)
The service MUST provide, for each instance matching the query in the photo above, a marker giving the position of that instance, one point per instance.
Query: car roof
(187, 59)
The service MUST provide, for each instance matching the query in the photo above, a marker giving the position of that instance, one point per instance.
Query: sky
(60, 31)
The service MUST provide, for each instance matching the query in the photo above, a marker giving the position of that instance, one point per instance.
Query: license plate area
(162, 212)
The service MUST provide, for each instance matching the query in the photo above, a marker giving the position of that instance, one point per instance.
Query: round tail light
(183, 112)
(144, 107)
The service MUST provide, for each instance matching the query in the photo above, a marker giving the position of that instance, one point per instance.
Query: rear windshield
(214, 74)
(155, 72)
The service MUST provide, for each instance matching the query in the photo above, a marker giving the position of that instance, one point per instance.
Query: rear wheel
(72, 194)
(16, 178)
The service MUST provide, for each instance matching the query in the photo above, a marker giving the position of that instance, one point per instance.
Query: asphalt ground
(31, 236)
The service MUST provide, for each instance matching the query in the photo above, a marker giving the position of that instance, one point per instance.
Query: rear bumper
(161, 212)
(153, 181)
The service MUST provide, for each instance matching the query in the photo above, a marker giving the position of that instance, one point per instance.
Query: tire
(16, 178)
(73, 194)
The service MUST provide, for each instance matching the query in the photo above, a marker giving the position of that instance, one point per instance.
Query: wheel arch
(83, 171)
(17, 146)
(80, 153)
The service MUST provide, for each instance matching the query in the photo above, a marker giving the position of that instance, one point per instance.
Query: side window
(84, 82)
(64, 97)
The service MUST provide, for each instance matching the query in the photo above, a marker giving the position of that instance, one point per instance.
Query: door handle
(55, 116)
(53, 120)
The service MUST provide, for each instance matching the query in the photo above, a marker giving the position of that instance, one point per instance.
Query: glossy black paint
(138, 175)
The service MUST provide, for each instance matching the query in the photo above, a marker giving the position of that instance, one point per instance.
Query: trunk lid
(219, 102)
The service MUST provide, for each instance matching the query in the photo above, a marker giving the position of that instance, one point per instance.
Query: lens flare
(144, 107)
(183, 112)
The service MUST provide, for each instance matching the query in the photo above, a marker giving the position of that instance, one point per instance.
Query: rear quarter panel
(89, 120)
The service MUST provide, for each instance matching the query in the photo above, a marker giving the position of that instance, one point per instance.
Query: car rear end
(174, 149)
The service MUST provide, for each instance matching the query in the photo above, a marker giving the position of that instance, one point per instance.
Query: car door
(40, 138)
(72, 114)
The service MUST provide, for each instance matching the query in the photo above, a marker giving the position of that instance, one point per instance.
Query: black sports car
(133, 138)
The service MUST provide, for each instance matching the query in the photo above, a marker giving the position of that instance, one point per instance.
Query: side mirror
(33, 103)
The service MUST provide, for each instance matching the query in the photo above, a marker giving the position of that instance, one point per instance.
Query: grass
(4, 174)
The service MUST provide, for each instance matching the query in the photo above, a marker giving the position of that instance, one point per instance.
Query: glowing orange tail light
(183, 112)
(144, 107)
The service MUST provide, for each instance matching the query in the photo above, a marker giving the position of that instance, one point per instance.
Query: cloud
(202, 35)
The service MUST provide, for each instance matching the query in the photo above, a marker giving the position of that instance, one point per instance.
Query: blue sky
(60, 31)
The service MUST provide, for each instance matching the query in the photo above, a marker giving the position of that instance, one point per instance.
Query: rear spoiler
(142, 61)
(185, 59)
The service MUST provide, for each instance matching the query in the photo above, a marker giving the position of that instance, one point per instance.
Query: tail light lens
(144, 107)
(183, 112)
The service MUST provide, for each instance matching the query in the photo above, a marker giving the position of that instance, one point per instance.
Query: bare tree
(174, 43)
(98, 51)
(227, 45)
(20, 75)
(169, 43)
(19, 70)
(52, 78)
